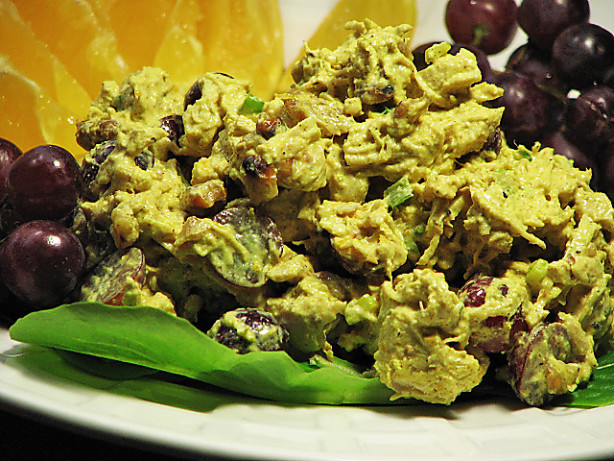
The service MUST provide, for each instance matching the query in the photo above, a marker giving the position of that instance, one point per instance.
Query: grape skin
(41, 262)
(44, 183)
(583, 54)
(487, 24)
(9, 152)
(544, 20)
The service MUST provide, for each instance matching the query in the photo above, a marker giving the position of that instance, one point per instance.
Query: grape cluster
(41, 258)
(559, 85)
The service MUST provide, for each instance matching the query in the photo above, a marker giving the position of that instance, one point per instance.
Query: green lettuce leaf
(157, 340)
(69, 368)
(599, 391)
(132, 345)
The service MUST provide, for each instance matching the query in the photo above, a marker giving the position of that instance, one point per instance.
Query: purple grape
(256, 232)
(583, 54)
(590, 117)
(544, 20)
(419, 52)
(9, 152)
(109, 281)
(41, 262)
(44, 183)
(527, 107)
(536, 64)
(489, 25)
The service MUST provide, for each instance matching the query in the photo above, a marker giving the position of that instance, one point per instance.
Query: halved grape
(473, 293)
(91, 164)
(173, 125)
(495, 312)
(42, 262)
(545, 362)
(194, 94)
(261, 244)
(112, 277)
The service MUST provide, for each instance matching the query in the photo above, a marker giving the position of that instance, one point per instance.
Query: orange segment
(139, 27)
(180, 53)
(33, 59)
(18, 97)
(76, 38)
(33, 118)
(54, 55)
(332, 32)
(243, 38)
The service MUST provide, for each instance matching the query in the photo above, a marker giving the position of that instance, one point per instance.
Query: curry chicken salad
(371, 211)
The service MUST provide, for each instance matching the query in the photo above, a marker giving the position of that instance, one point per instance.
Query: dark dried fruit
(145, 160)
(193, 95)
(249, 330)
(173, 125)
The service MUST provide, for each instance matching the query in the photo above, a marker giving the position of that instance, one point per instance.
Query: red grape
(527, 108)
(44, 183)
(536, 64)
(490, 25)
(41, 262)
(419, 52)
(583, 54)
(544, 20)
(110, 279)
(9, 152)
(590, 117)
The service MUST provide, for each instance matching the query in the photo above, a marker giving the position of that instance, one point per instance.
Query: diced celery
(536, 273)
(399, 192)
(251, 105)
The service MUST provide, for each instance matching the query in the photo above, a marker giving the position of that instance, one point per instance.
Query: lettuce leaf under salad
(136, 342)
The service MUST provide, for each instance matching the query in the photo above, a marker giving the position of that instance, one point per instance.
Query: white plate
(248, 429)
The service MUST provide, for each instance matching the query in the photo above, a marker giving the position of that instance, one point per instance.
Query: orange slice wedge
(33, 118)
(76, 38)
(138, 27)
(32, 58)
(332, 32)
(244, 38)
(180, 52)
